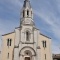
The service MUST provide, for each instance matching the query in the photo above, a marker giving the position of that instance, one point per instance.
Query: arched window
(23, 13)
(27, 12)
(27, 35)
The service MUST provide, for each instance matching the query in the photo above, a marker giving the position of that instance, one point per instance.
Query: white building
(26, 42)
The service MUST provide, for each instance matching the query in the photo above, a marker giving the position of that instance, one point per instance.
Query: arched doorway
(27, 58)
(27, 55)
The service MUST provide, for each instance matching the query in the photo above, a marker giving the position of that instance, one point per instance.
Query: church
(26, 42)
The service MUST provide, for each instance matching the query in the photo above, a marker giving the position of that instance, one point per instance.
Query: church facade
(26, 42)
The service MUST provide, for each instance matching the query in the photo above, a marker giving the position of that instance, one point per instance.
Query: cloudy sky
(46, 18)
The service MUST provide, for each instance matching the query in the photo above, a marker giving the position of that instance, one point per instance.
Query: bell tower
(26, 14)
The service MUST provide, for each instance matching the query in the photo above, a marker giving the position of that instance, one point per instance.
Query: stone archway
(27, 53)
(27, 48)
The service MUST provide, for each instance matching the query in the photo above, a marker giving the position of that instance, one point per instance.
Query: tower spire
(27, 13)
(27, 4)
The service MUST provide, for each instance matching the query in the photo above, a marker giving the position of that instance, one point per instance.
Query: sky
(46, 18)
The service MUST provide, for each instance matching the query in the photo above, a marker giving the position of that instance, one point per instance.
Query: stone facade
(26, 42)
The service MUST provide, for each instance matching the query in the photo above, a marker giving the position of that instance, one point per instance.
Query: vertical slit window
(31, 13)
(10, 41)
(7, 42)
(45, 56)
(27, 36)
(27, 13)
(45, 43)
(8, 55)
(23, 13)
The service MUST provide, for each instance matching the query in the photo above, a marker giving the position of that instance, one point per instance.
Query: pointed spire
(27, 4)
(27, 14)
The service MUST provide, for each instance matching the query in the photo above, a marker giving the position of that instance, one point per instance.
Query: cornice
(7, 33)
(45, 35)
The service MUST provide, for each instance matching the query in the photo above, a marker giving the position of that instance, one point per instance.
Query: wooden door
(27, 58)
